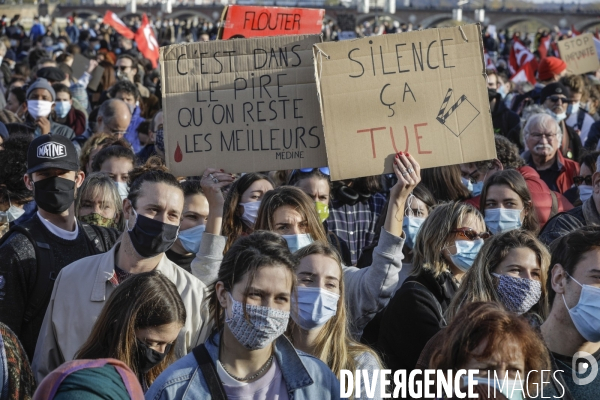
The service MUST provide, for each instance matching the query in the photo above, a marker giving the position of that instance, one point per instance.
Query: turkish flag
(146, 42)
(110, 18)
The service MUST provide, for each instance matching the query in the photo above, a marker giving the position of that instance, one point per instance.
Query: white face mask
(559, 117)
(123, 189)
(250, 212)
(573, 108)
(12, 214)
(39, 108)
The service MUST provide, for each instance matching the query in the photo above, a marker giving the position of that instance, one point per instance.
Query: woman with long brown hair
(320, 318)
(139, 325)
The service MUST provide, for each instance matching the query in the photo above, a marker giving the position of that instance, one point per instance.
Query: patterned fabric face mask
(517, 294)
(98, 220)
(259, 328)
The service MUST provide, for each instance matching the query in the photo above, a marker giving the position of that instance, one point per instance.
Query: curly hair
(508, 153)
(14, 165)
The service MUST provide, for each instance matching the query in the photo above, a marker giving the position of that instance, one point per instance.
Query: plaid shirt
(355, 225)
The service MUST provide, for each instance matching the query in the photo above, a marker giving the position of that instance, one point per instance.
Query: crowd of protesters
(120, 280)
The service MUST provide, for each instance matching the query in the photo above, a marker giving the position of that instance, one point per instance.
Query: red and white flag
(544, 46)
(489, 63)
(110, 18)
(575, 31)
(519, 56)
(525, 74)
(146, 42)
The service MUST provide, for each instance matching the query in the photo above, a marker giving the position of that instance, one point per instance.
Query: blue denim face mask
(411, 226)
(315, 306)
(500, 220)
(518, 294)
(296, 242)
(466, 251)
(190, 238)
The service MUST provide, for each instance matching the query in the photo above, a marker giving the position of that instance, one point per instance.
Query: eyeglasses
(555, 99)
(118, 132)
(578, 180)
(471, 234)
(122, 68)
(539, 136)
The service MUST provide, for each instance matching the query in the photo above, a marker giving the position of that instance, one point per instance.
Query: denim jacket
(306, 377)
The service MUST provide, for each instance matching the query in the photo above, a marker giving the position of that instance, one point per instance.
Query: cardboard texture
(422, 92)
(256, 21)
(242, 105)
(80, 65)
(580, 54)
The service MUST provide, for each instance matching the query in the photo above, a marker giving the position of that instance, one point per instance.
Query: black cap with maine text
(51, 151)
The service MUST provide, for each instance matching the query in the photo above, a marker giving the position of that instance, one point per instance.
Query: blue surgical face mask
(502, 91)
(97, 46)
(411, 226)
(62, 108)
(296, 242)
(477, 188)
(123, 189)
(315, 306)
(466, 251)
(586, 313)
(468, 184)
(190, 238)
(585, 192)
(573, 108)
(500, 220)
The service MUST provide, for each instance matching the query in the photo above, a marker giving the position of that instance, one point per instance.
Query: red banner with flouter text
(253, 21)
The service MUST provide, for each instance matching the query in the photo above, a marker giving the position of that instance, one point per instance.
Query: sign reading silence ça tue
(255, 21)
(244, 105)
(422, 92)
(579, 53)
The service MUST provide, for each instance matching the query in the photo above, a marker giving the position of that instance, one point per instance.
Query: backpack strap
(580, 118)
(209, 371)
(94, 238)
(554, 209)
(46, 271)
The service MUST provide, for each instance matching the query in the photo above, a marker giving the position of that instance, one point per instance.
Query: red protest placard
(255, 21)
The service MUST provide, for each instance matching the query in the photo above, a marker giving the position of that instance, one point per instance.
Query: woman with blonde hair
(93, 146)
(445, 248)
(511, 269)
(320, 319)
(98, 202)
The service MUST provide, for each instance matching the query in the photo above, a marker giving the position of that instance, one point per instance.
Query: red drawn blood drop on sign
(178, 154)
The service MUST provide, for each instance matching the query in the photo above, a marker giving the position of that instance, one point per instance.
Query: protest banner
(580, 54)
(257, 21)
(422, 92)
(243, 105)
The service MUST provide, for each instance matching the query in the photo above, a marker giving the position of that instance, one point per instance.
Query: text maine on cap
(51, 150)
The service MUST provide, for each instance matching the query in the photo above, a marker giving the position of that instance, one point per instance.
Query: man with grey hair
(113, 117)
(585, 215)
(542, 136)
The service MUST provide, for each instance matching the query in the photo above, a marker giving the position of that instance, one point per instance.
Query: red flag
(519, 56)
(146, 42)
(597, 35)
(575, 31)
(544, 46)
(111, 19)
(526, 73)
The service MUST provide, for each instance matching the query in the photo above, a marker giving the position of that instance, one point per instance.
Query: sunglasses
(578, 180)
(555, 99)
(121, 68)
(471, 234)
(323, 170)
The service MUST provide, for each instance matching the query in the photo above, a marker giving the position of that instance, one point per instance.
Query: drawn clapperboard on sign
(459, 116)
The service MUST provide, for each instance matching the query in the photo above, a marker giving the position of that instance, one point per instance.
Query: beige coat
(79, 294)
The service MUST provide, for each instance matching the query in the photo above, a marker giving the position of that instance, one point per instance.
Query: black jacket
(412, 318)
(567, 222)
(506, 122)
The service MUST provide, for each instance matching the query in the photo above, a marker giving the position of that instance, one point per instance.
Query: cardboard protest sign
(242, 105)
(422, 92)
(256, 21)
(80, 65)
(579, 53)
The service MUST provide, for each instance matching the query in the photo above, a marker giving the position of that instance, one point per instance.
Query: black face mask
(54, 194)
(148, 358)
(150, 237)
